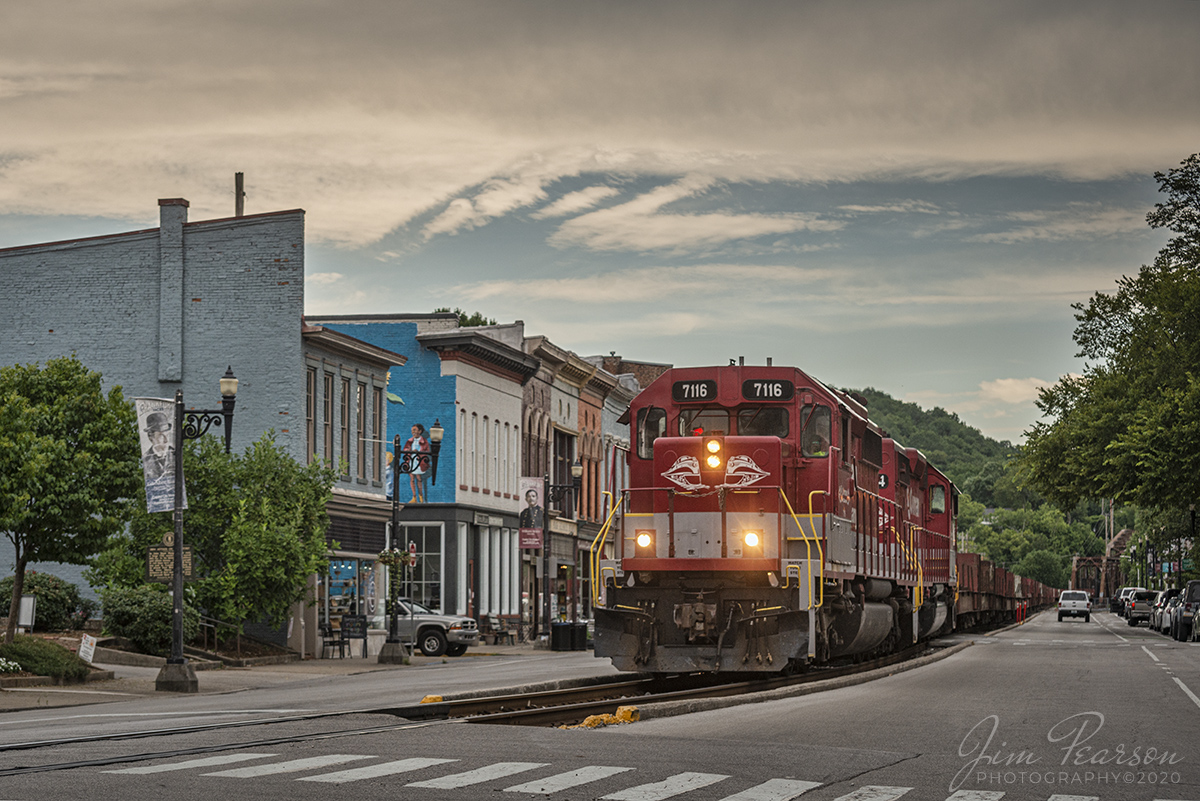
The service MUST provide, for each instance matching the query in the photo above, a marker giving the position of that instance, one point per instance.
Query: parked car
(1160, 605)
(1118, 602)
(1138, 606)
(433, 633)
(1181, 620)
(1168, 613)
(1074, 603)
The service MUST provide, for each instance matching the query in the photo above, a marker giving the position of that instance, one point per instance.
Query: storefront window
(422, 583)
(351, 588)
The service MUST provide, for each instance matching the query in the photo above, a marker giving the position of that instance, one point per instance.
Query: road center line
(1184, 687)
(1149, 654)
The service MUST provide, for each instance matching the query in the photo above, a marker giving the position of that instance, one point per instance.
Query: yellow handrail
(597, 546)
(808, 547)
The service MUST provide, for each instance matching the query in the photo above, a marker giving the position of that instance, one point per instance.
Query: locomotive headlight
(713, 461)
(752, 539)
(752, 544)
(713, 446)
(644, 542)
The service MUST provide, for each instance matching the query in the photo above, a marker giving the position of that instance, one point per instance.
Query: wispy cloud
(898, 207)
(577, 201)
(1012, 390)
(1077, 221)
(642, 224)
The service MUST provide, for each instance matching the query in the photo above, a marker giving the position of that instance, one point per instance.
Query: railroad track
(543, 708)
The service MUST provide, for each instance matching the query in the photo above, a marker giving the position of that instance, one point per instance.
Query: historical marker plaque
(160, 564)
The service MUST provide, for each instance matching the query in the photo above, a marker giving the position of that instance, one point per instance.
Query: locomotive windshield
(763, 421)
(707, 420)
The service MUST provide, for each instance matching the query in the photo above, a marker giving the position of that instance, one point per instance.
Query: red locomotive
(769, 523)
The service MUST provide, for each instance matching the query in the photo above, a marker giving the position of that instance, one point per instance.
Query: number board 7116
(772, 390)
(696, 391)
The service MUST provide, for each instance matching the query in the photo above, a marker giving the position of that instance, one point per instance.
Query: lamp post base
(393, 653)
(177, 678)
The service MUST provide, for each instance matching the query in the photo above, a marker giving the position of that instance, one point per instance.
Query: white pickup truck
(1074, 603)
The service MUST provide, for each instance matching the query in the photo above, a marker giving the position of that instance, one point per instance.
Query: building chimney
(239, 196)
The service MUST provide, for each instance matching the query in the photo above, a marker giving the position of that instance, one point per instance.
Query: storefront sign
(530, 538)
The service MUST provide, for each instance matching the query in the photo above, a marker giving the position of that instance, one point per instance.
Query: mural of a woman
(420, 464)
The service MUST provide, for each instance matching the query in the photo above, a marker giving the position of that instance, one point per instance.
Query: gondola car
(768, 524)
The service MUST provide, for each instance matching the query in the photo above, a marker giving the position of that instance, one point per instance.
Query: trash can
(560, 636)
(579, 636)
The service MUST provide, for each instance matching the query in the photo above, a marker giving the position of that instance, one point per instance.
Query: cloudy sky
(904, 195)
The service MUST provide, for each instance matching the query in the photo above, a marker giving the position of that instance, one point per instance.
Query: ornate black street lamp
(403, 461)
(177, 675)
(556, 493)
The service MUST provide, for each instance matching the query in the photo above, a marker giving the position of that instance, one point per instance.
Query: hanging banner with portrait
(533, 515)
(157, 436)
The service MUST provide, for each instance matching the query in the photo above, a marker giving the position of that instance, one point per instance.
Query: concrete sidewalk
(133, 681)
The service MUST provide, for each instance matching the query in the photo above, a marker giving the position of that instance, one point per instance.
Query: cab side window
(816, 437)
(651, 424)
(937, 499)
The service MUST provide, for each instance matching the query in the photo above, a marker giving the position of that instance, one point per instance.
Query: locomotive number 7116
(768, 390)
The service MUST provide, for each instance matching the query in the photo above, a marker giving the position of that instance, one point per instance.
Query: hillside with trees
(1011, 525)
(977, 464)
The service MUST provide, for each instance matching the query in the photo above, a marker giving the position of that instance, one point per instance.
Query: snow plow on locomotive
(768, 524)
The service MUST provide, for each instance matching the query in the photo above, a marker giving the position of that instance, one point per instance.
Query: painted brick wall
(106, 299)
(240, 303)
(427, 394)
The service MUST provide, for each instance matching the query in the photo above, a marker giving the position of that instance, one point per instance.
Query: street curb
(666, 709)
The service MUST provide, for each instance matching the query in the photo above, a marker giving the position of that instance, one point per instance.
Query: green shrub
(44, 658)
(142, 615)
(59, 604)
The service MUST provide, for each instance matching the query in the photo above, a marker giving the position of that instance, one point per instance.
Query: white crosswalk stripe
(565, 781)
(677, 784)
(774, 790)
(485, 774)
(375, 771)
(976, 795)
(1060, 797)
(291, 766)
(204, 762)
(873, 792)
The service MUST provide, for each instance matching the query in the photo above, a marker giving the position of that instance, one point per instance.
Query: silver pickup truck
(1139, 605)
(1074, 603)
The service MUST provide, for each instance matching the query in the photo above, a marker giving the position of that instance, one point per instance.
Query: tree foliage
(977, 464)
(465, 320)
(256, 524)
(69, 462)
(1129, 427)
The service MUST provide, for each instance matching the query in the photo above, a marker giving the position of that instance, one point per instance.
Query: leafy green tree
(256, 523)
(1048, 567)
(465, 320)
(1129, 427)
(69, 462)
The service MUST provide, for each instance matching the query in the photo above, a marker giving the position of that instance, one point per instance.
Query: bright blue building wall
(428, 395)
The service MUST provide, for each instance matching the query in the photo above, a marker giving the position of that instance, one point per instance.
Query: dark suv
(1185, 611)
